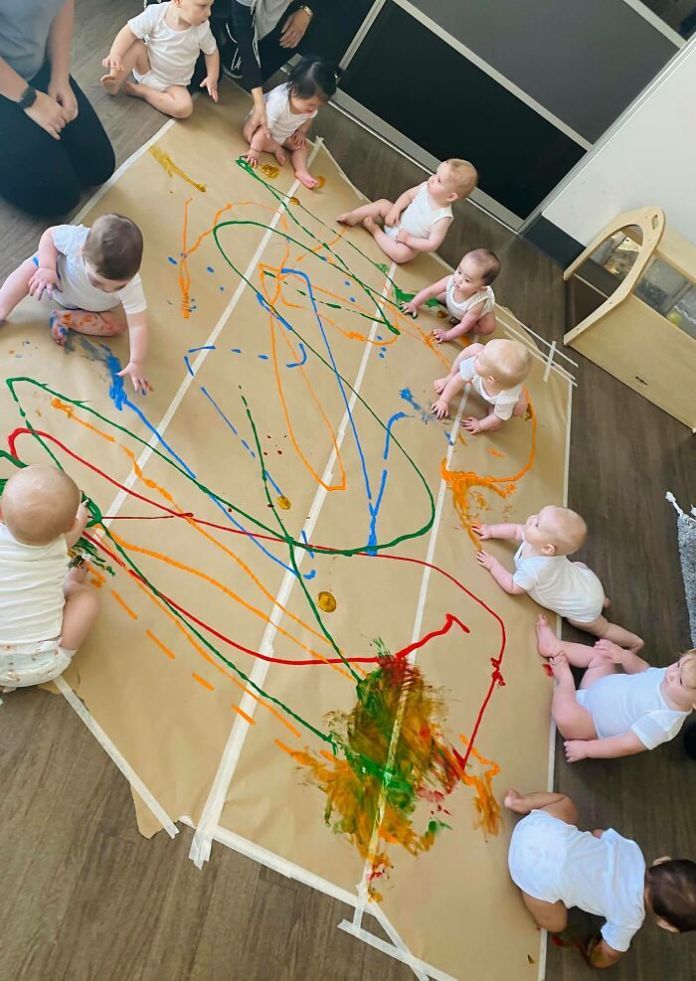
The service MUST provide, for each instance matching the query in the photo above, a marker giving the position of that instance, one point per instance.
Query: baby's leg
(601, 627)
(485, 325)
(375, 209)
(135, 57)
(557, 805)
(15, 288)
(80, 610)
(396, 251)
(175, 101)
(299, 163)
(108, 324)
(596, 663)
(455, 386)
(572, 720)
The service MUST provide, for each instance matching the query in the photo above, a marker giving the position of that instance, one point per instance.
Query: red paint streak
(496, 676)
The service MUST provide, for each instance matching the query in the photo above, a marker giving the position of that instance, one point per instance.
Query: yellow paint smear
(172, 169)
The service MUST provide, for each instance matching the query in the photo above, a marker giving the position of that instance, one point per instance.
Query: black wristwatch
(27, 98)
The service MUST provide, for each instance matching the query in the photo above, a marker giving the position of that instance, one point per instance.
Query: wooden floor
(83, 896)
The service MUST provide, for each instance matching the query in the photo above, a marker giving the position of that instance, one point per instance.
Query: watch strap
(27, 98)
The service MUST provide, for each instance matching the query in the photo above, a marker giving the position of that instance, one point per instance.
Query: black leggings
(45, 176)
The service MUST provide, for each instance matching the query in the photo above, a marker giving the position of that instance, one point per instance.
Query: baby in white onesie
(623, 705)
(419, 219)
(557, 866)
(544, 571)
(290, 109)
(467, 294)
(495, 372)
(160, 47)
(46, 611)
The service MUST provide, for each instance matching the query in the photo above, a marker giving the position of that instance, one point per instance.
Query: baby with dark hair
(92, 273)
(290, 109)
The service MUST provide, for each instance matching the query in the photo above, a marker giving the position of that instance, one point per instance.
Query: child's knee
(114, 325)
(183, 104)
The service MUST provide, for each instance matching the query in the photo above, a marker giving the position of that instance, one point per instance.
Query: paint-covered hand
(440, 408)
(483, 531)
(135, 371)
(43, 282)
(252, 157)
(210, 84)
(575, 749)
(485, 559)
(441, 335)
(410, 307)
(472, 425)
(61, 90)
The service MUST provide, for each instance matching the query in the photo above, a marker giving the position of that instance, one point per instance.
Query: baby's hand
(472, 425)
(252, 157)
(481, 530)
(441, 335)
(410, 307)
(211, 85)
(402, 236)
(135, 370)
(485, 559)
(43, 281)
(611, 650)
(113, 63)
(297, 140)
(280, 155)
(392, 217)
(575, 749)
(440, 408)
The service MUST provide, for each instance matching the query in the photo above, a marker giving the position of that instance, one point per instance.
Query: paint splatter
(326, 601)
(172, 169)
(376, 784)
(284, 503)
(270, 171)
(321, 181)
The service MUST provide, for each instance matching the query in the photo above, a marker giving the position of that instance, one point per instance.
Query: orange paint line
(247, 718)
(69, 410)
(162, 647)
(202, 681)
(120, 600)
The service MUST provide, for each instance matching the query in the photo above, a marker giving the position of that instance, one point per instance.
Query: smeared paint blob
(284, 503)
(321, 181)
(294, 200)
(394, 758)
(326, 601)
(165, 161)
(270, 172)
(487, 808)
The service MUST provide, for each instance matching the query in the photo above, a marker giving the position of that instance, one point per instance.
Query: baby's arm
(122, 42)
(630, 662)
(510, 531)
(425, 294)
(137, 334)
(46, 276)
(627, 744)
(499, 573)
(212, 68)
(260, 142)
(429, 244)
(488, 423)
(401, 203)
(81, 520)
(465, 326)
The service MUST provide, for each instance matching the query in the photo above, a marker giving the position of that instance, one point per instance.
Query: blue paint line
(173, 261)
(374, 511)
(262, 357)
(236, 350)
(303, 535)
(298, 364)
(209, 269)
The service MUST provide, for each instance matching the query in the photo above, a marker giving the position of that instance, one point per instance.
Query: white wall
(650, 159)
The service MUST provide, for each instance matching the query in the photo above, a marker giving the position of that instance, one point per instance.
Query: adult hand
(258, 118)
(61, 90)
(48, 114)
(135, 371)
(43, 281)
(294, 29)
(210, 84)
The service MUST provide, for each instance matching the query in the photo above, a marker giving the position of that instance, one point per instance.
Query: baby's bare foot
(304, 177)
(606, 602)
(560, 667)
(111, 84)
(59, 332)
(347, 219)
(439, 385)
(511, 800)
(547, 641)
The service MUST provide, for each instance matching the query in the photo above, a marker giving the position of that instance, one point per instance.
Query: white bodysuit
(420, 216)
(459, 309)
(554, 582)
(503, 403)
(172, 54)
(282, 121)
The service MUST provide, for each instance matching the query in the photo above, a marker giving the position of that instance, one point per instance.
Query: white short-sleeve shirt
(457, 308)
(420, 216)
(282, 121)
(76, 292)
(172, 54)
(551, 861)
(503, 403)
(554, 582)
(621, 703)
(31, 589)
